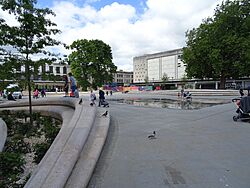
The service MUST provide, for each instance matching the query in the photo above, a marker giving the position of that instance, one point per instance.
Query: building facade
(123, 77)
(57, 69)
(154, 67)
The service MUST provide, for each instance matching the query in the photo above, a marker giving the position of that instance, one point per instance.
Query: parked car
(17, 94)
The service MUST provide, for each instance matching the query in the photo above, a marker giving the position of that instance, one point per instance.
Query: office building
(123, 77)
(154, 67)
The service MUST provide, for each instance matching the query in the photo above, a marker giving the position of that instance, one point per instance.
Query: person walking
(36, 94)
(182, 92)
(43, 92)
(101, 97)
(72, 83)
(92, 98)
(241, 92)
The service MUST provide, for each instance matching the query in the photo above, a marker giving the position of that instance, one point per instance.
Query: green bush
(17, 145)
(40, 150)
(19, 128)
(10, 168)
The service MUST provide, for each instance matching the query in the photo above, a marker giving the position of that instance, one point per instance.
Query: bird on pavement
(80, 102)
(105, 114)
(152, 136)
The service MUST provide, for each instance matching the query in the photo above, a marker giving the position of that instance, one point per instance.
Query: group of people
(36, 93)
(101, 98)
(70, 85)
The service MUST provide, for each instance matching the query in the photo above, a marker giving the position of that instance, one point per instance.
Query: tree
(165, 77)
(91, 63)
(219, 48)
(27, 39)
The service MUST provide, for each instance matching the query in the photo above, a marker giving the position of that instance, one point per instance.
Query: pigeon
(80, 102)
(105, 114)
(152, 136)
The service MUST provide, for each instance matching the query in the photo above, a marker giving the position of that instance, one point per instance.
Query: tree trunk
(29, 89)
(222, 81)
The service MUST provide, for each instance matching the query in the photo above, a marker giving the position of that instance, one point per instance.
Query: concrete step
(91, 151)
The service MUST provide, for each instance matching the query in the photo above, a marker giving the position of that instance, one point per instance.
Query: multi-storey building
(122, 77)
(153, 67)
(119, 78)
(57, 69)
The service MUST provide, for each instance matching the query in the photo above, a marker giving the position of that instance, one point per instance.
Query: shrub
(10, 168)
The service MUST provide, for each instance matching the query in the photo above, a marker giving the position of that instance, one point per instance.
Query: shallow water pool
(166, 103)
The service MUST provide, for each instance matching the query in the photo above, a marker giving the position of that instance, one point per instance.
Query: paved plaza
(193, 149)
(201, 148)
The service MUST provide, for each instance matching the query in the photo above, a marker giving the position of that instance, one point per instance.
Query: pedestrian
(107, 93)
(101, 97)
(36, 94)
(10, 97)
(182, 92)
(92, 97)
(43, 93)
(66, 85)
(72, 83)
(111, 92)
(241, 92)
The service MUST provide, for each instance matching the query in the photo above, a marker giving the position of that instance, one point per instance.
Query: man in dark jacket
(101, 97)
(10, 97)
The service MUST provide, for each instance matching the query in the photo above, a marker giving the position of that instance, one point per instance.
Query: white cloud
(160, 27)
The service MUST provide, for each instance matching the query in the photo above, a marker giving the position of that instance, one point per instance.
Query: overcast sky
(131, 27)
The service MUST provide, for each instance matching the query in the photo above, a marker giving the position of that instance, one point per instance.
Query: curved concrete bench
(58, 163)
(3, 133)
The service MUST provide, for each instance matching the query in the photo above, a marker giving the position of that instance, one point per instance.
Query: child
(92, 98)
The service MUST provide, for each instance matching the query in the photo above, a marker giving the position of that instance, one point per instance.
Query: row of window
(124, 76)
(124, 81)
(58, 70)
(51, 68)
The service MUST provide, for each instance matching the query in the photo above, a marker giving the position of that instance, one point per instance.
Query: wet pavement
(193, 148)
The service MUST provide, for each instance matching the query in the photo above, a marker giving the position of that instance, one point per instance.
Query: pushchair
(104, 103)
(243, 108)
(188, 96)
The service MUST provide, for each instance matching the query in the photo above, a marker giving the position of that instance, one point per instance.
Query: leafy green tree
(91, 63)
(220, 47)
(6, 72)
(28, 38)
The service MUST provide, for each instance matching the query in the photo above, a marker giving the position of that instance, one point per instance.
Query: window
(179, 56)
(58, 70)
(51, 69)
(43, 68)
(64, 70)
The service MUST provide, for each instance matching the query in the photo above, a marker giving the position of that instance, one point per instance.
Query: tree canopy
(91, 63)
(220, 47)
(26, 41)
